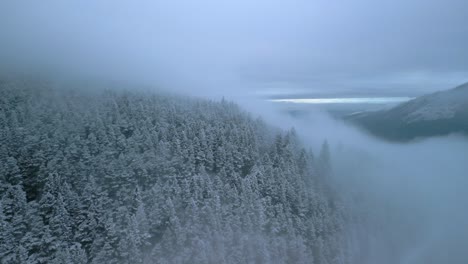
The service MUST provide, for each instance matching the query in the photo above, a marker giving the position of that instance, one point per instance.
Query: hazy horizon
(361, 47)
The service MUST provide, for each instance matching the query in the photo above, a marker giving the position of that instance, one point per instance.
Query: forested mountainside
(435, 114)
(110, 176)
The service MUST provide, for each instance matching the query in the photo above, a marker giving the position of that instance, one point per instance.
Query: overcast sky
(324, 47)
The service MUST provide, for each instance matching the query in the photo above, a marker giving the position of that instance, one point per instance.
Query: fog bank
(411, 197)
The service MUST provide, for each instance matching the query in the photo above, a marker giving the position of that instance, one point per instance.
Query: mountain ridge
(436, 114)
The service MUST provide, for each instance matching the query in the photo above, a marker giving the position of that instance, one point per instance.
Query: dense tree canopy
(111, 176)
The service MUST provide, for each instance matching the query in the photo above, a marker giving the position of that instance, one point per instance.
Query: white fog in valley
(234, 132)
(411, 196)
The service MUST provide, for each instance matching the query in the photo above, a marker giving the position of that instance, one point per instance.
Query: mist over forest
(233, 132)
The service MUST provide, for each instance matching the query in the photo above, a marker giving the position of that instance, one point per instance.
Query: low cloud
(211, 47)
(410, 197)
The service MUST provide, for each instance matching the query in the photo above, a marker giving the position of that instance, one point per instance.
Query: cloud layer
(360, 46)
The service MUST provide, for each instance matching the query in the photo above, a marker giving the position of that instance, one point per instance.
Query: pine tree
(7, 238)
(12, 172)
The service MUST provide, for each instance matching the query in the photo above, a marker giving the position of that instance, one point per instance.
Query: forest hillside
(122, 176)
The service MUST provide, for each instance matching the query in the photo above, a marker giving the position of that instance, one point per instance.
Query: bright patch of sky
(363, 100)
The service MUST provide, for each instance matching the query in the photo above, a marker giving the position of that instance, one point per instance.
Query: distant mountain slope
(435, 114)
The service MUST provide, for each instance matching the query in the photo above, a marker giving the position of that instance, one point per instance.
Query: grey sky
(350, 47)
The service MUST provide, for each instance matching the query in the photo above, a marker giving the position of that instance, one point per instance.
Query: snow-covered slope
(121, 175)
(440, 105)
(434, 114)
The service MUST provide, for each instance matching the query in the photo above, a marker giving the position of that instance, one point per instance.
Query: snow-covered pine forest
(115, 176)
